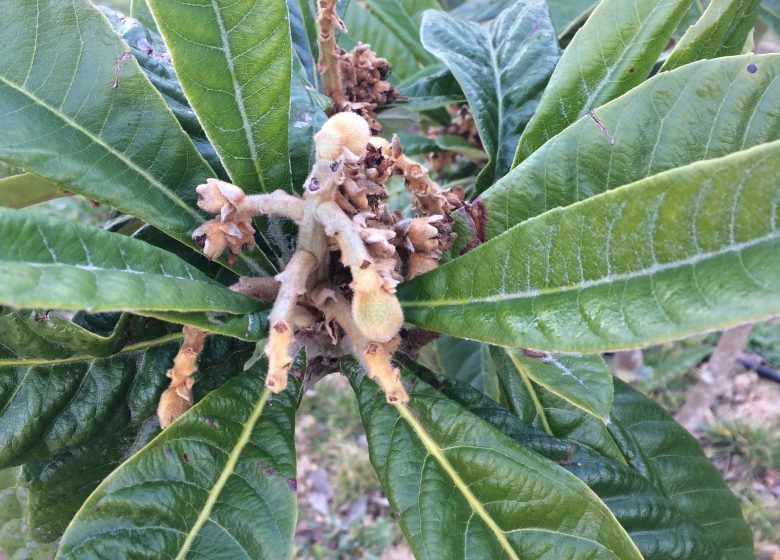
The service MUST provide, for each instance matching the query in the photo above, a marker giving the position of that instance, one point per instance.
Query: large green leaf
(661, 528)
(234, 62)
(50, 406)
(647, 439)
(218, 483)
(703, 110)
(18, 191)
(462, 489)
(55, 264)
(502, 69)
(58, 484)
(613, 52)
(684, 251)
(721, 31)
(76, 109)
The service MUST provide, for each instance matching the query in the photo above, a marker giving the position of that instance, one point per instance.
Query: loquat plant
(457, 205)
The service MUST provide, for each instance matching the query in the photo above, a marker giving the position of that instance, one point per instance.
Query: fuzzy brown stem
(328, 63)
(293, 283)
(177, 398)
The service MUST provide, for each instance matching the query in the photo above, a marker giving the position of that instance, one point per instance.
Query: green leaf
(18, 191)
(655, 446)
(234, 63)
(303, 34)
(25, 334)
(364, 26)
(481, 10)
(399, 17)
(218, 483)
(465, 490)
(50, 405)
(15, 539)
(585, 383)
(566, 13)
(431, 88)
(659, 527)
(721, 31)
(76, 110)
(55, 264)
(612, 53)
(703, 110)
(501, 68)
(306, 118)
(685, 251)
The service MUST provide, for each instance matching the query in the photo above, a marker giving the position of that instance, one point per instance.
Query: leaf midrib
(476, 506)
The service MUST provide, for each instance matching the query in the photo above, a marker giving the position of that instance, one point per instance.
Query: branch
(283, 317)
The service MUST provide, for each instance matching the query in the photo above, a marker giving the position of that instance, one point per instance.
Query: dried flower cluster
(338, 289)
(356, 81)
(463, 125)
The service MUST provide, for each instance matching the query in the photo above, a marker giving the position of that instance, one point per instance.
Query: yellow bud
(342, 130)
(377, 314)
